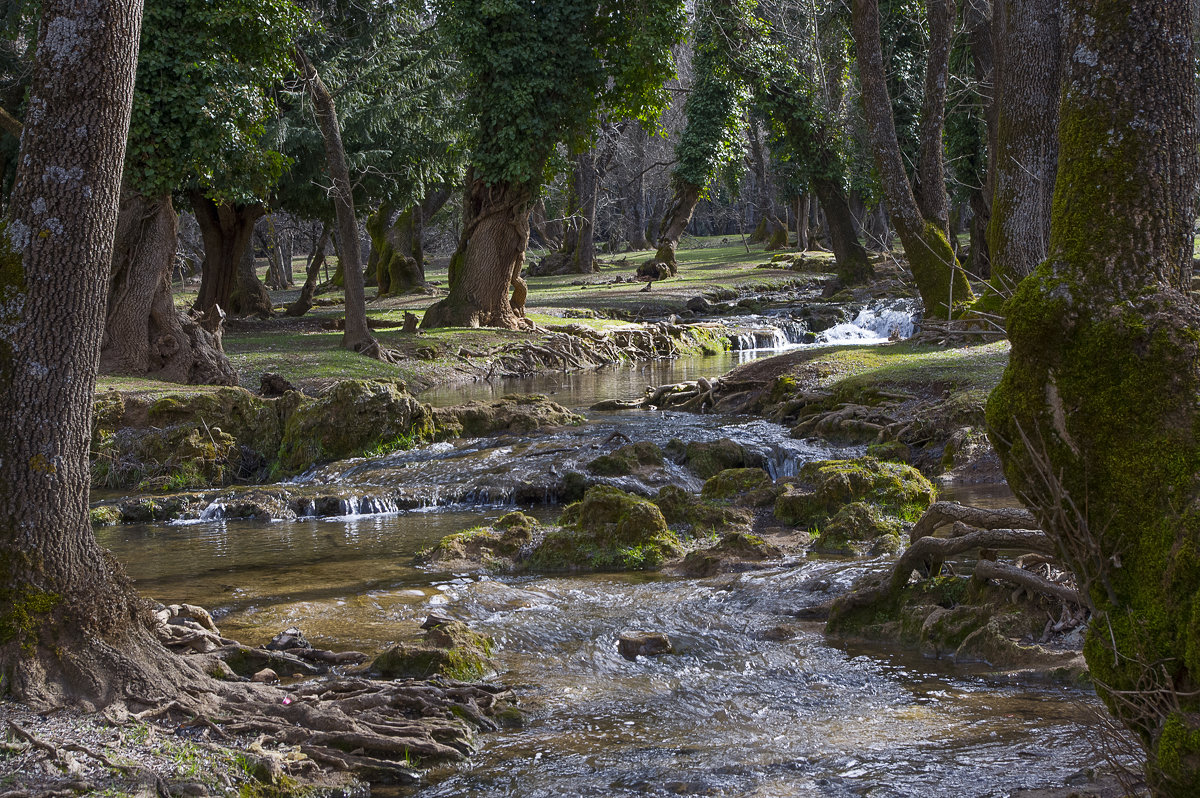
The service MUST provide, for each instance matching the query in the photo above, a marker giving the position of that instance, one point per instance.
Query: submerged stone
(449, 649)
(634, 644)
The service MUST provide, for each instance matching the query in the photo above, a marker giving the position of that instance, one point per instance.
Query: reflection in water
(735, 711)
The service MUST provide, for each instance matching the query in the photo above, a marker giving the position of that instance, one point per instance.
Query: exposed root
(941, 513)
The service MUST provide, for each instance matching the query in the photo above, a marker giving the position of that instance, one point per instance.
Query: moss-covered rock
(708, 458)
(687, 513)
(608, 529)
(499, 547)
(824, 487)
(627, 460)
(750, 486)
(735, 551)
(450, 649)
(352, 418)
(105, 515)
(517, 415)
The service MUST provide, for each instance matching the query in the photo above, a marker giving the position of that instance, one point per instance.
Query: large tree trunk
(853, 265)
(72, 629)
(488, 260)
(357, 335)
(940, 279)
(1097, 417)
(397, 271)
(1027, 95)
(674, 222)
(226, 230)
(144, 334)
(548, 232)
(765, 222)
(250, 297)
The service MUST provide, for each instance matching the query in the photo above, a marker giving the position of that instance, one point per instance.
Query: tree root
(941, 513)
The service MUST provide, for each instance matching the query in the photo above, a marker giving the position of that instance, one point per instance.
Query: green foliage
(541, 73)
(715, 109)
(203, 99)
(398, 92)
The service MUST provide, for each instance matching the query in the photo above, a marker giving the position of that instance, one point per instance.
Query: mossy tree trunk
(929, 187)
(144, 334)
(397, 271)
(936, 270)
(1097, 417)
(72, 628)
(250, 297)
(1027, 95)
(488, 260)
(977, 18)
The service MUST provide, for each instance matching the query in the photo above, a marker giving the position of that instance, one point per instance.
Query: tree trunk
(802, 203)
(226, 230)
(636, 197)
(1027, 96)
(978, 17)
(766, 221)
(1097, 417)
(250, 297)
(357, 335)
(316, 260)
(674, 222)
(930, 185)
(939, 278)
(488, 260)
(392, 238)
(144, 334)
(548, 233)
(72, 628)
(578, 252)
(853, 265)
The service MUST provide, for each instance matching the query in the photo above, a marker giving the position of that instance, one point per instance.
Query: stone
(634, 644)
(289, 638)
(273, 384)
(265, 676)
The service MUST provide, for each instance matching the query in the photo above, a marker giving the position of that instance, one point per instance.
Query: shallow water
(752, 703)
(730, 713)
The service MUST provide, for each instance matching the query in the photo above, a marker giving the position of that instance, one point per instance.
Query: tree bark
(226, 230)
(357, 335)
(978, 15)
(1027, 96)
(1097, 417)
(316, 260)
(72, 629)
(853, 265)
(578, 252)
(930, 185)
(393, 238)
(144, 334)
(802, 203)
(488, 260)
(250, 297)
(940, 279)
(674, 222)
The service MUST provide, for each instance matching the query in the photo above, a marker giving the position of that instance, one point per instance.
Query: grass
(906, 366)
(305, 351)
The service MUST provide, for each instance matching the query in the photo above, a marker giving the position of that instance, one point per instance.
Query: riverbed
(754, 701)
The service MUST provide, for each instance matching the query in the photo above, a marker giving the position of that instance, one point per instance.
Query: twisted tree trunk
(674, 222)
(488, 260)
(1097, 418)
(939, 278)
(144, 334)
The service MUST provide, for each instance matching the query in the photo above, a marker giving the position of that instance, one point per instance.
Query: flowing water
(754, 701)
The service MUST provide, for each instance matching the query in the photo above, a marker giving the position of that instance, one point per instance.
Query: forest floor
(307, 350)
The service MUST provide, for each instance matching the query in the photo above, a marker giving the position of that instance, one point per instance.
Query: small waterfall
(873, 324)
(213, 512)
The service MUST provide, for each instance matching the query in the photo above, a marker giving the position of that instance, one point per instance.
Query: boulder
(608, 529)
(634, 644)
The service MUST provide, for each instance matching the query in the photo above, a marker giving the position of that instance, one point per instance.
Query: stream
(754, 702)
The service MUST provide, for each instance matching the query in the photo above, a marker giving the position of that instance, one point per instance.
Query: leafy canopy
(204, 95)
(540, 73)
